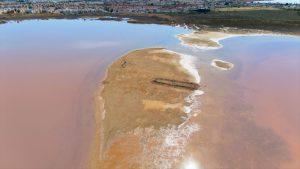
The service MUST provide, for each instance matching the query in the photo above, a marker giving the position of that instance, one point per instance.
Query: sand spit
(145, 124)
(221, 64)
(203, 39)
(208, 40)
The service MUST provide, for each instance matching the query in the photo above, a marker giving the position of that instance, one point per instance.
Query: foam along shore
(141, 124)
(221, 64)
(206, 40)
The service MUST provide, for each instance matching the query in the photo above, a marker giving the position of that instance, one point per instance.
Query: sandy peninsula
(143, 121)
(210, 39)
(203, 39)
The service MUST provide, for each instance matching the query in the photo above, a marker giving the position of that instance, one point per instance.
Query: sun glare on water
(190, 164)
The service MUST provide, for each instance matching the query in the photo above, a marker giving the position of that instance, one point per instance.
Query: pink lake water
(49, 70)
(264, 85)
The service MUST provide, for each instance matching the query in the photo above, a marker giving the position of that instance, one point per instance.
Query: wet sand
(139, 116)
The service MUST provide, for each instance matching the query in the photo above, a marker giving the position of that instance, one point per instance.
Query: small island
(221, 64)
(143, 97)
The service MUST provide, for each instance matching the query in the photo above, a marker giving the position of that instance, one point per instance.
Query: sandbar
(203, 39)
(144, 122)
(210, 39)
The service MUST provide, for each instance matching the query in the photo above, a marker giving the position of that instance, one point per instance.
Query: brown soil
(132, 101)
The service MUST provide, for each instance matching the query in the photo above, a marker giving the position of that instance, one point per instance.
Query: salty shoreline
(174, 66)
(210, 39)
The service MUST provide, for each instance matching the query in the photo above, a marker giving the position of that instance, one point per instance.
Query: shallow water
(49, 70)
(263, 86)
(273, 82)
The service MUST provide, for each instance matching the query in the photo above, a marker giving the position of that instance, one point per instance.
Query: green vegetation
(280, 20)
(271, 19)
(275, 20)
(298, 12)
(2, 22)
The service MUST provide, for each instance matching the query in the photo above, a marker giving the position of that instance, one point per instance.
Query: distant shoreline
(279, 20)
